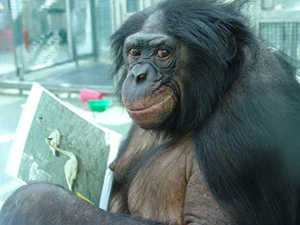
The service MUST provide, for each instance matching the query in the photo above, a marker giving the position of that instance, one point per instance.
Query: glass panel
(287, 4)
(284, 36)
(7, 62)
(133, 5)
(104, 30)
(82, 27)
(280, 4)
(45, 22)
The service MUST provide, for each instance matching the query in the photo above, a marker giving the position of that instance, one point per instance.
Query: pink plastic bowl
(87, 95)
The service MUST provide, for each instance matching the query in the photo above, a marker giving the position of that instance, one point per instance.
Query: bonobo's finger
(46, 204)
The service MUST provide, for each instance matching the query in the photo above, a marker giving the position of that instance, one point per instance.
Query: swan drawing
(71, 166)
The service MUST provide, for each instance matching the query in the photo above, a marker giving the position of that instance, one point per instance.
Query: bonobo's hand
(47, 204)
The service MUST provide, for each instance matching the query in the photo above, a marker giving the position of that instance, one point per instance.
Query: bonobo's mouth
(150, 112)
(152, 109)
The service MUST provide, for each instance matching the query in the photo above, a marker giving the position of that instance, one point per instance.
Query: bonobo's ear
(227, 38)
(231, 50)
(234, 34)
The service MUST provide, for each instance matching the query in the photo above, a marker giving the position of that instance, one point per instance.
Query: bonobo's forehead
(152, 34)
(142, 39)
(154, 23)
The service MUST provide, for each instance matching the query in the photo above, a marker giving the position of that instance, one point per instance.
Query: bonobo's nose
(139, 77)
(142, 72)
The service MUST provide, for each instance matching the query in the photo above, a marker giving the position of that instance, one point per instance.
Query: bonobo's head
(150, 91)
(176, 60)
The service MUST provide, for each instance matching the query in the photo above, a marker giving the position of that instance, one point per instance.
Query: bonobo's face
(148, 91)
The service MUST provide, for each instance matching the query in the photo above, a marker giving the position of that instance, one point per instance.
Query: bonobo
(216, 138)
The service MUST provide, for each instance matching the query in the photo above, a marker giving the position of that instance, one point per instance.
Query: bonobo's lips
(149, 112)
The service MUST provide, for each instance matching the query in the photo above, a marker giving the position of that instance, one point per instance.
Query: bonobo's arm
(48, 204)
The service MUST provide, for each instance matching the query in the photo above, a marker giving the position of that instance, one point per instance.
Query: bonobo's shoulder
(266, 70)
(272, 64)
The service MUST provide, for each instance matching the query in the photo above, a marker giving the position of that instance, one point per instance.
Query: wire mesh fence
(104, 27)
(45, 23)
(82, 27)
(284, 36)
(7, 62)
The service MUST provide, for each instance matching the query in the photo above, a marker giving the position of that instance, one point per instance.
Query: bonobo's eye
(134, 52)
(162, 53)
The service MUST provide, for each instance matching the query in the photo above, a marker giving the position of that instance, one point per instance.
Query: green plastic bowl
(99, 105)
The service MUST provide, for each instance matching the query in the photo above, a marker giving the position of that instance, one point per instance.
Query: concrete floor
(114, 118)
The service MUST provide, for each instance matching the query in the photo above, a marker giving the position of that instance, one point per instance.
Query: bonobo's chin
(152, 116)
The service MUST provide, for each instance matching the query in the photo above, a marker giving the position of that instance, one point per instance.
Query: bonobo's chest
(151, 181)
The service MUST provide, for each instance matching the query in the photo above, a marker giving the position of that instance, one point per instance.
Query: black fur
(243, 102)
